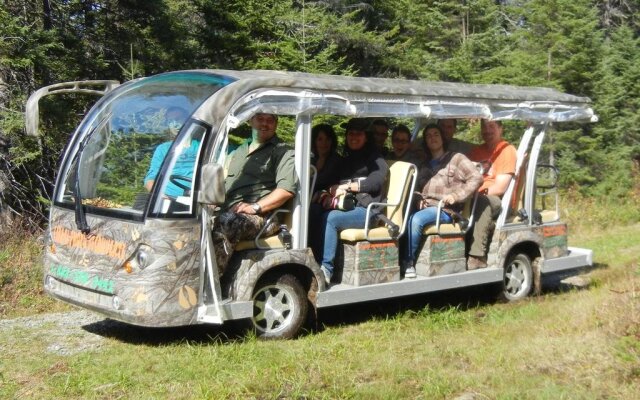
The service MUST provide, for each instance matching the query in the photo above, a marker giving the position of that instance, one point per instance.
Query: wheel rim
(516, 278)
(273, 309)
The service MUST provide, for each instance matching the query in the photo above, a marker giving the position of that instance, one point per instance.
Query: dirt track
(65, 332)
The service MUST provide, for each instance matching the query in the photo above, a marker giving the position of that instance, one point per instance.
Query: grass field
(568, 343)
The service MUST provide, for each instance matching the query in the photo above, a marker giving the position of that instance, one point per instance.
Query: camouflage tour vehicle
(145, 255)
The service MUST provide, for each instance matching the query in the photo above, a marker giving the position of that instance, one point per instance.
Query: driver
(183, 168)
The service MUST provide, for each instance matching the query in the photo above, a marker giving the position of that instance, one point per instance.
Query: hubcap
(515, 278)
(273, 309)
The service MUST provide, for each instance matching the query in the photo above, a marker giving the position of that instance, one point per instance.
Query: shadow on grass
(193, 335)
(571, 280)
(462, 299)
(234, 331)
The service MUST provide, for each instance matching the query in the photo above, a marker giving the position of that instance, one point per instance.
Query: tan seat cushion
(447, 229)
(270, 242)
(355, 235)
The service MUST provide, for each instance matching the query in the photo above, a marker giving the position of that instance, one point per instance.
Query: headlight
(142, 258)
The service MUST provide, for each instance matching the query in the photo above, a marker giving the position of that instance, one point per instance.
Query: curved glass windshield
(120, 149)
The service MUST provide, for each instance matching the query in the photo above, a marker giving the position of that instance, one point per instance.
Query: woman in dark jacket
(325, 157)
(363, 172)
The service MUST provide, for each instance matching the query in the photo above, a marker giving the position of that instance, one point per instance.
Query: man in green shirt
(260, 178)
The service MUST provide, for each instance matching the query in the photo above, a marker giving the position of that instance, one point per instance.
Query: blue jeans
(416, 224)
(333, 222)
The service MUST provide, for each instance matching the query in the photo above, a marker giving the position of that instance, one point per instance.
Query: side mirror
(211, 185)
(546, 176)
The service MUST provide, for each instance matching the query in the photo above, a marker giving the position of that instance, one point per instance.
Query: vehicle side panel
(248, 266)
(550, 241)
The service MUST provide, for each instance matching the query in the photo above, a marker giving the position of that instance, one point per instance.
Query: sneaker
(474, 262)
(410, 272)
(327, 275)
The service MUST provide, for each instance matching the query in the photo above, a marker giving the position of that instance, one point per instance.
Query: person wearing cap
(260, 178)
(448, 126)
(363, 172)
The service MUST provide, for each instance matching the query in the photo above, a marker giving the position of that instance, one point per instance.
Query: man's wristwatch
(256, 207)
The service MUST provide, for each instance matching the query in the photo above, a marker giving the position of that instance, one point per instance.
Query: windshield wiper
(81, 218)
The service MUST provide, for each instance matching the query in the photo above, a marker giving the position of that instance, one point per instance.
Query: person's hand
(341, 190)
(332, 189)
(243, 208)
(449, 199)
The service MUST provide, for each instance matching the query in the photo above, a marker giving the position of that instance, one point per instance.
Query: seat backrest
(398, 190)
(399, 184)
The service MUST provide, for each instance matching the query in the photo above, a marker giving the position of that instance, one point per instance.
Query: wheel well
(301, 272)
(531, 249)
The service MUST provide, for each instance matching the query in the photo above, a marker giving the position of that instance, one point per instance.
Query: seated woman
(363, 172)
(325, 158)
(444, 176)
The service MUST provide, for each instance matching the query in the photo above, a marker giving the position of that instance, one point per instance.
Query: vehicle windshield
(120, 141)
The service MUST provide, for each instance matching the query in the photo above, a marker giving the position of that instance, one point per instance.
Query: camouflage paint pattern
(550, 239)
(366, 263)
(441, 256)
(554, 244)
(247, 267)
(91, 268)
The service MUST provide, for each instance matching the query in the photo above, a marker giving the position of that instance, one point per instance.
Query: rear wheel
(279, 307)
(518, 278)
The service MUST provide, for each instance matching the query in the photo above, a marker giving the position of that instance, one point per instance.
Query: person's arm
(378, 169)
(286, 186)
(505, 167)
(466, 173)
(270, 202)
(500, 185)
(373, 183)
(154, 166)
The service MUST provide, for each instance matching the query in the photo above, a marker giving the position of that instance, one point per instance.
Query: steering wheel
(178, 179)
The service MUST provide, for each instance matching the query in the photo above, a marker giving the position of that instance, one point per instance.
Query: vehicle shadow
(462, 299)
(570, 280)
(193, 334)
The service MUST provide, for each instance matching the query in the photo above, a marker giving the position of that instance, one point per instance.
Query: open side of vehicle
(144, 253)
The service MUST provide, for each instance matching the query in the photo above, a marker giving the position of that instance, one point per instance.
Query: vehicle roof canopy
(295, 93)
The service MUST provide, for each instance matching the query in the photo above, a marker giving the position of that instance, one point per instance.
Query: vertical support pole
(301, 207)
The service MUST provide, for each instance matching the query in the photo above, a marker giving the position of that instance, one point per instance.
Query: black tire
(280, 308)
(518, 278)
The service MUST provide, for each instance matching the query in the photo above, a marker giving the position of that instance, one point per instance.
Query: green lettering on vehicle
(83, 278)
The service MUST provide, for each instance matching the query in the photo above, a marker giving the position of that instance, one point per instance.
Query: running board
(346, 294)
(576, 258)
(207, 313)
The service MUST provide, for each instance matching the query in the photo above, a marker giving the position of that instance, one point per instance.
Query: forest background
(583, 47)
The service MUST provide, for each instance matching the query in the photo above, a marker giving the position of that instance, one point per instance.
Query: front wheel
(279, 307)
(518, 278)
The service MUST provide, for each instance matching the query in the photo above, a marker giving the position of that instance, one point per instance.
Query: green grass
(563, 344)
(21, 291)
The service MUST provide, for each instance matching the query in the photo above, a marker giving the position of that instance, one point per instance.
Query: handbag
(343, 202)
